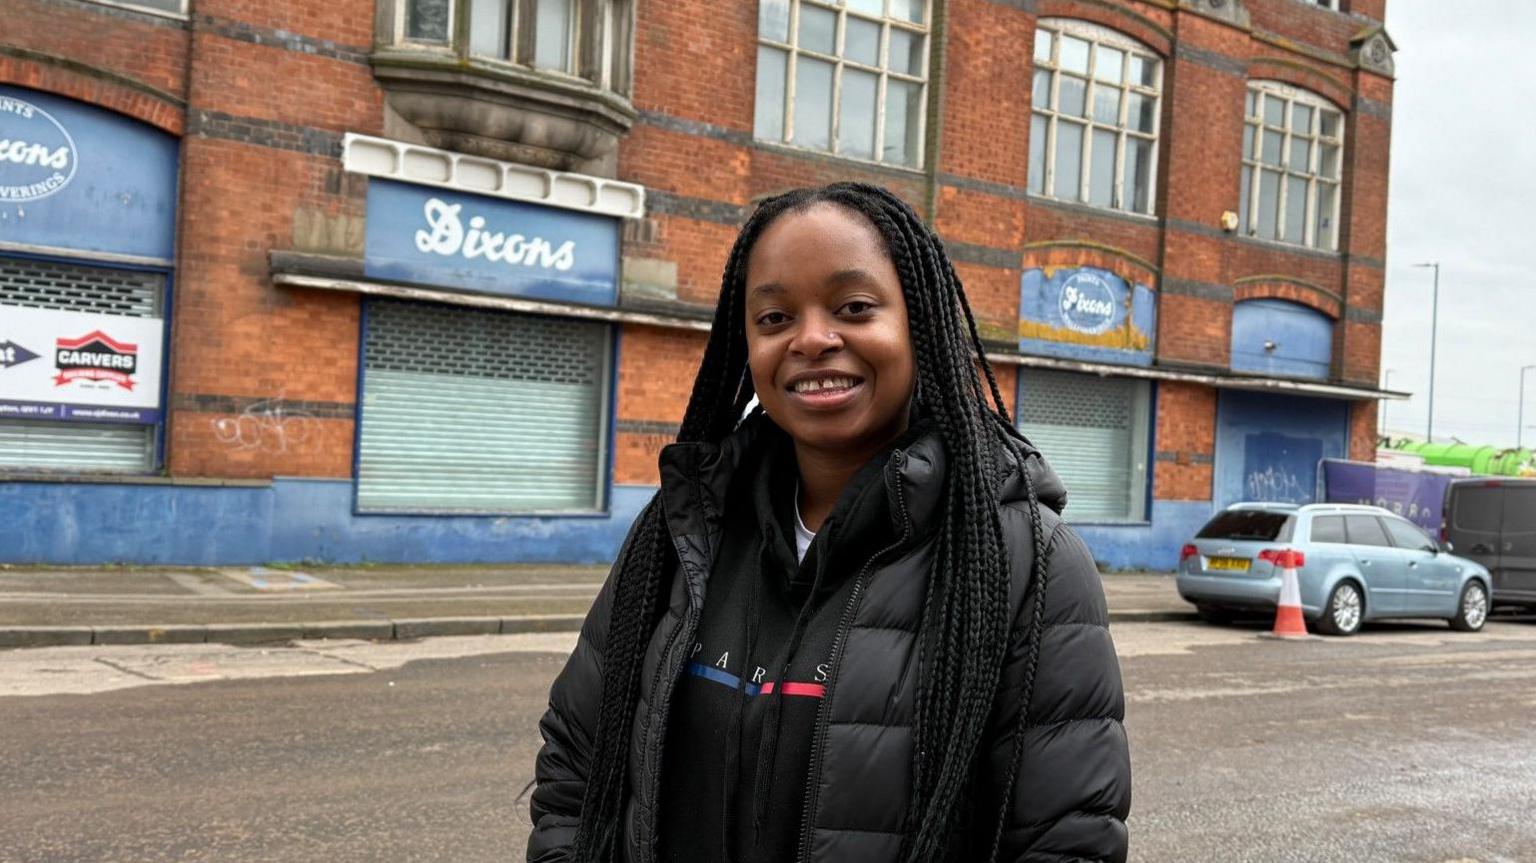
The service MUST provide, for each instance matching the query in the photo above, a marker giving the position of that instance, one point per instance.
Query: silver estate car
(1357, 563)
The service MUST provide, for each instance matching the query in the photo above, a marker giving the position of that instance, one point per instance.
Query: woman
(851, 626)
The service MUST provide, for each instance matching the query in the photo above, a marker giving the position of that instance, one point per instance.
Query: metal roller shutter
(1092, 430)
(472, 410)
(31, 444)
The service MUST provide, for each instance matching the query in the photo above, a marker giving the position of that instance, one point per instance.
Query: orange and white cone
(1289, 622)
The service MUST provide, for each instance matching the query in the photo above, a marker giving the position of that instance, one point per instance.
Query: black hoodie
(738, 744)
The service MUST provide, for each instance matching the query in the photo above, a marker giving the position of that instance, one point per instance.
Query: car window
(1476, 507)
(1328, 528)
(1405, 535)
(1365, 530)
(1520, 509)
(1248, 524)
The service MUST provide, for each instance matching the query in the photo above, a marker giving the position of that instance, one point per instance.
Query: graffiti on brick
(266, 425)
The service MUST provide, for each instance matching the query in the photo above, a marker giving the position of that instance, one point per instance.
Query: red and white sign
(72, 360)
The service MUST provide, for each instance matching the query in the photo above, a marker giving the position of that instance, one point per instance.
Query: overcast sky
(1463, 192)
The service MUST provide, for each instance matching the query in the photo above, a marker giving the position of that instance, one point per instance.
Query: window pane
(907, 51)
(1042, 46)
(773, 19)
(1250, 104)
(488, 28)
(1138, 175)
(907, 10)
(1274, 112)
(1107, 66)
(1405, 535)
(770, 94)
(1301, 155)
(1301, 119)
(552, 35)
(1037, 133)
(1101, 169)
(1328, 528)
(1069, 161)
(1269, 204)
(875, 8)
(1327, 193)
(1106, 104)
(1143, 71)
(818, 29)
(1273, 141)
(1295, 209)
(1042, 93)
(861, 41)
(903, 123)
(1244, 196)
(856, 114)
(813, 103)
(1140, 113)
(1328, 162)
(427, 20)
(1329, 127)
(1072, 96)
(1248, 152)
(1074, 55)
(1365, 530)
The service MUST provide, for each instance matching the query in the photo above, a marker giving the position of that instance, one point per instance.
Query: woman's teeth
(811, 386)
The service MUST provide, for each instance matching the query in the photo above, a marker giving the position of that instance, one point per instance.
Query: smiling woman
(829, 636)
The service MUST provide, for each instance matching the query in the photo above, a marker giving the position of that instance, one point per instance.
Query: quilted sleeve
(1071, 791)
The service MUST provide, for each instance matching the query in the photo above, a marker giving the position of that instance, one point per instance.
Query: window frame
(177, 15)
(592, 43)
(882, 70)
(1258, 92)
(1096, 35)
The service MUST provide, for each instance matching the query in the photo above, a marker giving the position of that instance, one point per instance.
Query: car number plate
(1233, 564)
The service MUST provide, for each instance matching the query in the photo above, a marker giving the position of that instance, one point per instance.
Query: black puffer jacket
(1073, 789)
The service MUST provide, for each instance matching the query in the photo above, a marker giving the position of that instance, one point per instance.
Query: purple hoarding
(1415, 495)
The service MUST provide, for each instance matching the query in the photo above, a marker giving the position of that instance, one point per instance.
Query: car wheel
(1344, 611)
(1214, 614)
(1472, 611)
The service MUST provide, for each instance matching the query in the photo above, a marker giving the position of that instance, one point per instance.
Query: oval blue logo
(37, 155)
(1088, 303)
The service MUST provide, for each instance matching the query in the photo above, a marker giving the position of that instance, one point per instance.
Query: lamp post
(1434, 316)
(1520, 411)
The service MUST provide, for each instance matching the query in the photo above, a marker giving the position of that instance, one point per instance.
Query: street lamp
(1520, 412)
(1434, 316)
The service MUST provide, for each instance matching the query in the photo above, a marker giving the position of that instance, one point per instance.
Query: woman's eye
(771, 319)
(857, 307)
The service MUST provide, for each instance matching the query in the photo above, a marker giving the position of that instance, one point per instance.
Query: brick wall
(264, 90)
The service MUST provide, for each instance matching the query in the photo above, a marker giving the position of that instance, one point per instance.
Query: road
(1407, 743)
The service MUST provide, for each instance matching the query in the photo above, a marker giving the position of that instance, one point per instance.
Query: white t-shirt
(803, 535)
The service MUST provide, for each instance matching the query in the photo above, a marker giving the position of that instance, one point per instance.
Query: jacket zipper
(823, 720)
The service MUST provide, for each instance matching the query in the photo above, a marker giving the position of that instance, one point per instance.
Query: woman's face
(827, 335)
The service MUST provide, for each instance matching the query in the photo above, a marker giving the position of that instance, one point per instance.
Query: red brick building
(429, 279)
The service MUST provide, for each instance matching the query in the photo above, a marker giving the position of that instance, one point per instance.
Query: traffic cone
(1289, 622)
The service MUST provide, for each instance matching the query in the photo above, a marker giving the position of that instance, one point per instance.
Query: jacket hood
(696, 477)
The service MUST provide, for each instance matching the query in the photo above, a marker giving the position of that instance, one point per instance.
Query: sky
(1462, 192)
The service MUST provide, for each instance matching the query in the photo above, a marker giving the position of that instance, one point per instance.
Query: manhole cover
(279, 580)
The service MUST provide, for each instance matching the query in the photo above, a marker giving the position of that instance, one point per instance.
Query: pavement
(48, 606)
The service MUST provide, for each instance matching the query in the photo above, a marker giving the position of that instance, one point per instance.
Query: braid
(965, 616)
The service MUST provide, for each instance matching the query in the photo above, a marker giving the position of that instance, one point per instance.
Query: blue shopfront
(489, 297)
(87, 238)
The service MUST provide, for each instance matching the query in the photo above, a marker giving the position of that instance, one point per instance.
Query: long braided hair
(965, 620)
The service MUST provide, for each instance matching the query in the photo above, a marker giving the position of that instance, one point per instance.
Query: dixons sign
(436, 237)
(37, 154)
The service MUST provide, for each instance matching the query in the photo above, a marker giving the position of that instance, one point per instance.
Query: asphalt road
(1406, 743)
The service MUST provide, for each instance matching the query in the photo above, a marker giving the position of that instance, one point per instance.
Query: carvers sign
(37, 155)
